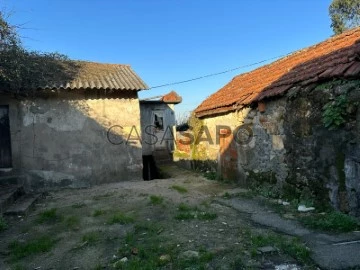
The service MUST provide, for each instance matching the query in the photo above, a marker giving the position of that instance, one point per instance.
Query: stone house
(158, 130)
(299, 122)
(76, 132)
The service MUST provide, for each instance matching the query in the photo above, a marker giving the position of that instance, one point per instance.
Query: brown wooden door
(5, 141)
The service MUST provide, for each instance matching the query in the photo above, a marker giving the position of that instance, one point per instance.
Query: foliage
(334, 114)
(49, 216)
(40, 245)
(156, 200)
(186, 212)
(344, 14)
(120, 218)
(22, 71)
(179, 189)
(3, 224)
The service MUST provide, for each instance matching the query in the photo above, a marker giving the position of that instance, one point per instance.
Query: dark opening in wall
(151, 171)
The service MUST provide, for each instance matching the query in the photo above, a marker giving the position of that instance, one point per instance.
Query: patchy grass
(91, 238)
(3, 224)
(227, 196)
(72, 222)
(149, 245)
(49, 216)
(179, 189)
(98, 212)
(333, 221)
(156, 200)
(120, 218)
(78, 205)
(210, 175)
(290, 246)
(20, 250)
(186, 212)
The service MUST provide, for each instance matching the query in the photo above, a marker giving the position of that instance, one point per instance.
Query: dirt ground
(161, 224)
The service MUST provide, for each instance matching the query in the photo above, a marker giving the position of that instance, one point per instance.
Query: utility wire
(219, 73)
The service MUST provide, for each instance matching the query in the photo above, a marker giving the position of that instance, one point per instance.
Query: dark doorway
(5, 141)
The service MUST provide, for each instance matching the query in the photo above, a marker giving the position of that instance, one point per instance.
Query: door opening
(5, 139)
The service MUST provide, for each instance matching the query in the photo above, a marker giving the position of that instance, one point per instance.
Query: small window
(159, 121)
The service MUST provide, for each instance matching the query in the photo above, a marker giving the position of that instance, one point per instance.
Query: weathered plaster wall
(149, 138)
(291, 151)
(63, 139)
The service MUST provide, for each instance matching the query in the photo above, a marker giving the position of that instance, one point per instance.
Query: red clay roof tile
(338, 56)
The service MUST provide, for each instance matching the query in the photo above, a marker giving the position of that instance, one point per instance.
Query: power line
(219, 73)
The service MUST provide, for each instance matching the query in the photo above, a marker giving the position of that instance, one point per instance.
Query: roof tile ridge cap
(99, 63)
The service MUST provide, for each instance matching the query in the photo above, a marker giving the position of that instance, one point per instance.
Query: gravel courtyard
(173, 223)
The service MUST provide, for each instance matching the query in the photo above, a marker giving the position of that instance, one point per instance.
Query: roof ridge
(321, 60)
(100, 63)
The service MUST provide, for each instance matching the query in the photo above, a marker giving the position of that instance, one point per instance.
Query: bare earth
(120, 226)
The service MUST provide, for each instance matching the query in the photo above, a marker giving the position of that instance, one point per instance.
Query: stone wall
(291, 152)
(70, 140)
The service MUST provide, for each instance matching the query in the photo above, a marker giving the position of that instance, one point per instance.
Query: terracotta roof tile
(335, 57)
(171, 97)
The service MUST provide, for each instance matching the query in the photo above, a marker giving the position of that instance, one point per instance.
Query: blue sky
(173, 40)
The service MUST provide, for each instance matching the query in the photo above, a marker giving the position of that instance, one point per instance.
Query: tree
(22, 71)
(344, 14)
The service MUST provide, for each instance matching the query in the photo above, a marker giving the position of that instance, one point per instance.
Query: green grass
(49, 216)
(186, 212)
(210, 175)
(156, 200)
(287, 245)
(179, 189)
(333, 221)
(91, 238)
(120, 218)
(151, 244)
(3, 224)
(72, 222)
(20, 250)
(227, 195)
(98, 212)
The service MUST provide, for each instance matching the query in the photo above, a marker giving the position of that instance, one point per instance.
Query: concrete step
(8, 195)
(22, 205)
(11, 179)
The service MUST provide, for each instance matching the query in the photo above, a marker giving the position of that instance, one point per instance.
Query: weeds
(210, 175)
(290, 246)
(91, 238)
(3, 224)
(156, 200)
(49, 216)
(72, 222)
(120, 218)
(179, 189)
(98, 212)
(333, 221)
(20, 250)
(150, 245)
(186, 212)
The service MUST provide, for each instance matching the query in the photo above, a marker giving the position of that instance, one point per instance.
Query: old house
(158, 130)
(292, 127)
(75, 132)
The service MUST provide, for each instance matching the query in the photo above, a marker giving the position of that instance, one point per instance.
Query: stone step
(22, 206)
(8, 195)
(11, 179)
